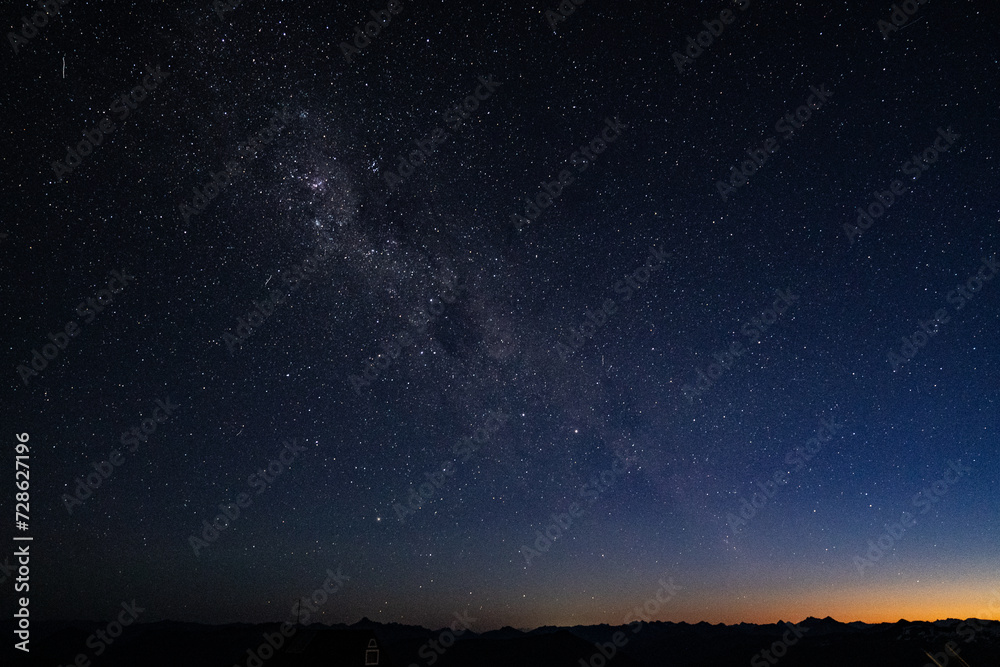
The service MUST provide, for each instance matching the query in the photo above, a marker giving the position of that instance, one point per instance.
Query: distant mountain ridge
(818, 642)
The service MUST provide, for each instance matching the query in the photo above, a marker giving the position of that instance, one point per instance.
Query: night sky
(721, 312)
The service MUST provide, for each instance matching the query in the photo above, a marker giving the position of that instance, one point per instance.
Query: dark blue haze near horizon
(837, 457)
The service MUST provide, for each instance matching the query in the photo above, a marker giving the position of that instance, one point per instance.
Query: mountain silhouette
(823, 642)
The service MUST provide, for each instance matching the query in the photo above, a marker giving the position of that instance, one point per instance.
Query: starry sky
(505, 311)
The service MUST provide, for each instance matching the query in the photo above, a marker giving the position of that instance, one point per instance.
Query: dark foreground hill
(813, 643)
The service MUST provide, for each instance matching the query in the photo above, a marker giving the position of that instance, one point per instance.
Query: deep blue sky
(509, 299)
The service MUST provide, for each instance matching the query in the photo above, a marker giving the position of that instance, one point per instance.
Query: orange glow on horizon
(871, 602)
